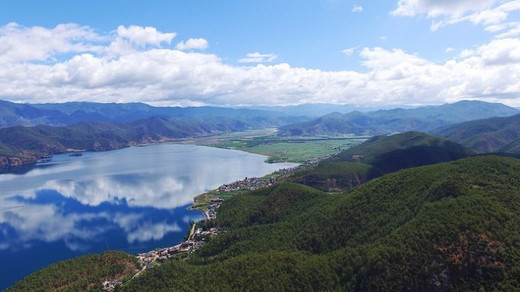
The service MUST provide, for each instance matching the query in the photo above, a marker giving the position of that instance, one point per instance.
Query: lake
(132, 199)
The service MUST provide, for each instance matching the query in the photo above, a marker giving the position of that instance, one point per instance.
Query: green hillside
(446, 227)
(377, 156)
(81, 274)
(451, 226)
(487, 135)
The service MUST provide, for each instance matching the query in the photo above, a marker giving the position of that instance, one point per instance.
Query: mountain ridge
(21, 146)
(382, 122)
(497, 134)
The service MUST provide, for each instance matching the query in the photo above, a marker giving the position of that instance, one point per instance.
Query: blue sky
(400, 52)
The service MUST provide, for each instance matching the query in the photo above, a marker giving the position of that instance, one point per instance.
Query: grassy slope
(451, 226)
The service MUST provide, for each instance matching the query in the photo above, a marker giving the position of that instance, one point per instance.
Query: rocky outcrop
(20, 159)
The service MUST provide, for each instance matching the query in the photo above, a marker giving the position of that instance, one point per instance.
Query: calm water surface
(133, 199)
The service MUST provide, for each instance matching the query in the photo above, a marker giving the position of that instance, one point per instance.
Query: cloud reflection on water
(134, 194)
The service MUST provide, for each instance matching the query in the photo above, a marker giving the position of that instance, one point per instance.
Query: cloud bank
(139, 64)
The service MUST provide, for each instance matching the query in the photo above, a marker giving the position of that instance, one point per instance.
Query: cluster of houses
(201, 235)
(249, 184)
(212, 208)
(110, 285)
(161, 254)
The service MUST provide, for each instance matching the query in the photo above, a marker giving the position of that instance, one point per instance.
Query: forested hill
(384, 122)
(450, 226)
(24, 145)
(446, 227)
(501, 134)
(378, 156)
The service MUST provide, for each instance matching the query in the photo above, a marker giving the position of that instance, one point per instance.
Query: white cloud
(357, 8)
(349, 51)
(142, 36)
(466, 53)
(489, 13)
(383, 38)
(19, 44)
(193, 44)
(513, 30)
(449, 50)
(167, 76)
(258, 58)
(435, 8)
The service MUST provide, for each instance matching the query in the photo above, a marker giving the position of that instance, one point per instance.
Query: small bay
(132, 199)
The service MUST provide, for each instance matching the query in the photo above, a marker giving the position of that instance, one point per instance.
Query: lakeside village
(199, 236)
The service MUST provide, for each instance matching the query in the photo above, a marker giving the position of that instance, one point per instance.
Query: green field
(282, 149)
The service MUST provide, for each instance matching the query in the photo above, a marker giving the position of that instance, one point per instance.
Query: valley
(359, 212)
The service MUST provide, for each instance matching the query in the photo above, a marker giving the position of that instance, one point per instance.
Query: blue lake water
(132, 199)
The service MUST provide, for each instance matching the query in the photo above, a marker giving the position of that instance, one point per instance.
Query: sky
(268, 52)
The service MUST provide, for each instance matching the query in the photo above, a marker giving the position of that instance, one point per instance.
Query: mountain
(61, 114)
(445, 227)
(500, 134)
(12, 114)
(397, 120)
(315, 109)
(21, 146)
(378, 156)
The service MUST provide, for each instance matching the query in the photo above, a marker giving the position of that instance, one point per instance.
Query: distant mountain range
(62, 114)
(381, 122)
(500, 134)
(97, 126)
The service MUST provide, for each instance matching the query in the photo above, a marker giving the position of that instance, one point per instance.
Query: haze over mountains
(61, 114)
(397, 120)
(57, 128)
(377, 122)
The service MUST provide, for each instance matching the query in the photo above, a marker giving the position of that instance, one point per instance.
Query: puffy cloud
(143, 36)
(500, 52)
(109, 68)
(258, 58)
(193, 44)
(20, 44)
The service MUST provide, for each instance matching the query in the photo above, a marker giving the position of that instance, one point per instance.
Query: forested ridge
(451, 226)
(377, 156)
(85, 273)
